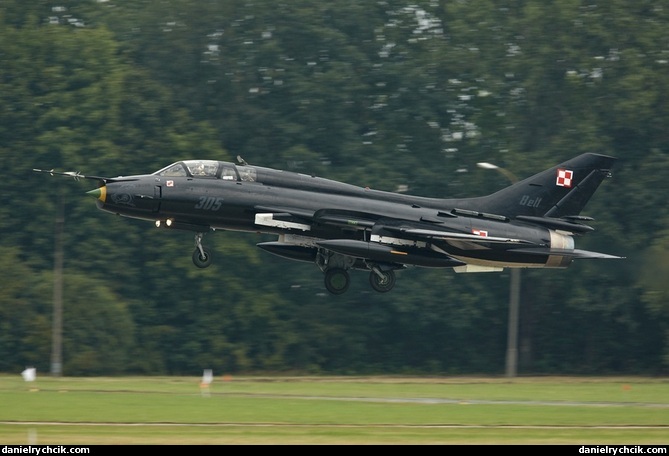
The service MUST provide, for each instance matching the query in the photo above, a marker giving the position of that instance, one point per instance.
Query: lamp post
(57, 324)
(514, 295)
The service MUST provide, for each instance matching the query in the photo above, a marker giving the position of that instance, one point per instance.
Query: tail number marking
(209, 203)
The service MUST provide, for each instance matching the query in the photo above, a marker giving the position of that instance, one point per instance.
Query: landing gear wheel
(337, 280)
(382, 284)
(200, 260)
(201, 256)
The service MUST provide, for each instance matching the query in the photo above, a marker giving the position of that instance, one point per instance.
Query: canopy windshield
(195, 168)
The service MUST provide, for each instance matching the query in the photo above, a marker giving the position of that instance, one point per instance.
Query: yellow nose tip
(99, 193)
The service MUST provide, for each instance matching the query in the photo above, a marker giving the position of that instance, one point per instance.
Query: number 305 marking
(209, 203)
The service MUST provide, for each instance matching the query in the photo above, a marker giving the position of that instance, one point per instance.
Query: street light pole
(57, 324)
(512, 336)
(514, 296)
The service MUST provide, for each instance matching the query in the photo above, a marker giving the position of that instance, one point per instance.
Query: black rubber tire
(199, 261)
(337, 280)
(382, 285)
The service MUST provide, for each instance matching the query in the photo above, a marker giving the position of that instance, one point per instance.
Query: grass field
(334, 410)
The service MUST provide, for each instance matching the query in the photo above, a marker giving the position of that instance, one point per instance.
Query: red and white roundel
(564, 177)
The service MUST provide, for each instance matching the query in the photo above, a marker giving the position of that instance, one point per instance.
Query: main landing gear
(201, 256)
(382, 281)
(338, 280)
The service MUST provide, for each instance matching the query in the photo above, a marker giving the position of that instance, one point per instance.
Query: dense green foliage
(384, 94)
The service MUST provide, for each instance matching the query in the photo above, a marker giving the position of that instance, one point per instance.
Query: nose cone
(99, 193)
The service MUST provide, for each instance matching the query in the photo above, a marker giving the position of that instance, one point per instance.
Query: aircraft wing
(376, 222)
(352, 219)
(453, 236)
(346, 218)
(277, 211)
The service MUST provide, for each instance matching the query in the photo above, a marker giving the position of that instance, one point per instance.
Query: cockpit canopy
(208, 169)
(215, 170)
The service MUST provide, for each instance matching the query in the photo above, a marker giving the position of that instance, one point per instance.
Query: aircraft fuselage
(200, 204)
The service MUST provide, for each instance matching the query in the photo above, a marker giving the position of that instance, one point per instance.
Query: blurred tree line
(386, 94)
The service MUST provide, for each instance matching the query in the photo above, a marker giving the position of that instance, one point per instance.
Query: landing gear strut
(201, 256)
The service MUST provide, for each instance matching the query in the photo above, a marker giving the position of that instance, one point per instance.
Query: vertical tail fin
(560, 191)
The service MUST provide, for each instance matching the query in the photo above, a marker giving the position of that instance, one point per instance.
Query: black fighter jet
(341, 227)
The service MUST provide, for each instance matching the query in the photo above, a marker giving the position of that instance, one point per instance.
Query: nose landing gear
(201, 256)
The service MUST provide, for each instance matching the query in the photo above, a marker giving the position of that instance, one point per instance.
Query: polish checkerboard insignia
(564, 178)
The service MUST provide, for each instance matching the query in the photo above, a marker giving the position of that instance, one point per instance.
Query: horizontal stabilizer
(575, 253)
(558, 223)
